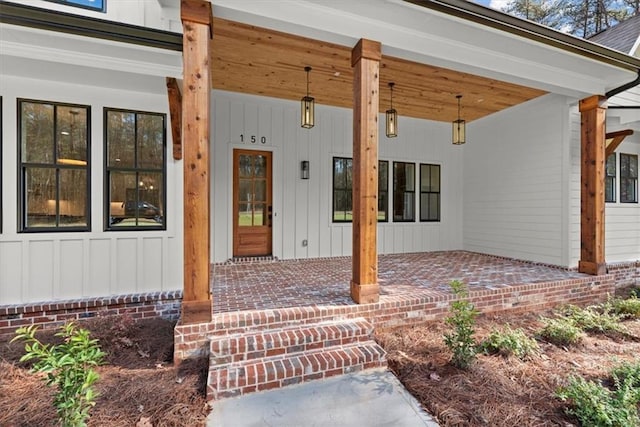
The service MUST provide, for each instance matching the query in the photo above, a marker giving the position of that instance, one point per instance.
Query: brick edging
(51, 314)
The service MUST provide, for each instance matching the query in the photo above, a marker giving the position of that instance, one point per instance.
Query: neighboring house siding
(515, 182)
(302, 208)
(63, 265)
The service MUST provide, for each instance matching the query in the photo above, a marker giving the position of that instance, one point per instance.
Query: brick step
(248, 376)
(247, 321)
(292, 339)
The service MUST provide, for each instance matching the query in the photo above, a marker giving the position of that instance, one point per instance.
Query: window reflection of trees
(54, 161)
(252, 190)
(135, 169)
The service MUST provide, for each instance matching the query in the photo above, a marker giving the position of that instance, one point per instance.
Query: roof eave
(533, 31)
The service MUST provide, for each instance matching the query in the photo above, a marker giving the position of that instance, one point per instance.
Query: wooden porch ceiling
(254, 60)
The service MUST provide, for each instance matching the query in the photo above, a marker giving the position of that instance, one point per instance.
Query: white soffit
(423, 35)
(109, 60)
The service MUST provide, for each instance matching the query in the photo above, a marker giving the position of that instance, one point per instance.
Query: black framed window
(97, 5)
(429, 192)
(135, 172)
(54, 153)
(628, 178)
(610, 179)
(343, 190)
(404, 194)
(383, 191)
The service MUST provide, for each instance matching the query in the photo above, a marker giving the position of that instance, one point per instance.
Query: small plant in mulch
(598, 406)
(509, 342)
(626, 308)
(599, 318)
(462, 318)
(561, 331)
(69, 367)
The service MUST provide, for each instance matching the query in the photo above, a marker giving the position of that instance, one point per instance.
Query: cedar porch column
(197, 23)
(365, 60)
(592, 172)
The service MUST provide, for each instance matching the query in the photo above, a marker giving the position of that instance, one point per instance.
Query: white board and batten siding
(302, 209)
(67, 265)
(516, 182)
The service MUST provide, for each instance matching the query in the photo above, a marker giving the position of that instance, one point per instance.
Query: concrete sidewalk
(362, 399)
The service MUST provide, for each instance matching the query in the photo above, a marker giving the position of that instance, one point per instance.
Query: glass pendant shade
(391, 117)
(459, 132)
(392, 123)
(307, 106)
(459, 128)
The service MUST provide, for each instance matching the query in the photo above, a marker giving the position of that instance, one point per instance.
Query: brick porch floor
(321, 282)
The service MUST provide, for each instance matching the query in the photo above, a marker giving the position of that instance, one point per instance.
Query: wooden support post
(196, 20)
(365, 60)
(592, 172)
(175, 110)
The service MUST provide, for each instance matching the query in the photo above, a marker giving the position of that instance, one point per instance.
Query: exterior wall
(70, 265)
(159, 14)
(302, 208)
(516, 183)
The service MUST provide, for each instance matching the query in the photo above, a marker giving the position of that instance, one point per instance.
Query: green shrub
(594, 319)
(463, 320)
(69, 366)
(626, 308)
(509, 342)
(597, 406)
(628, 371)
(561, 331)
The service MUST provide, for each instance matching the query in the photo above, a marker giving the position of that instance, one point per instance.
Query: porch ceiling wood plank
(593, 118)
(616, 139)
(254, 60)
(196, 306)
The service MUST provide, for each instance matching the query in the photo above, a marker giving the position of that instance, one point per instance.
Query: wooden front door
(252, 212)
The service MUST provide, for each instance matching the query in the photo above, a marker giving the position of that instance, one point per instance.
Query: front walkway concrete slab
(373, 398)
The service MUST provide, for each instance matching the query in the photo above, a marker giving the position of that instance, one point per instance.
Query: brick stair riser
(279, 371)
(257, 345)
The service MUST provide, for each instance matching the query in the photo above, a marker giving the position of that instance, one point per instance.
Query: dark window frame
(610, 179)
(22, 166)
(438, 193)
(72, 3)
(349, 190)
(108, 225)
(403, 192)
(626, 178)
(384, 191)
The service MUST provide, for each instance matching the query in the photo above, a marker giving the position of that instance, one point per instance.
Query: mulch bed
(138, 385)
(499, 391)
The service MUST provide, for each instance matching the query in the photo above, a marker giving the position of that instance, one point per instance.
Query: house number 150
(263, 139)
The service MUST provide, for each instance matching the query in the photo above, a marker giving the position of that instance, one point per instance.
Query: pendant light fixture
(392, 117)
(459, 131)
(307, 106)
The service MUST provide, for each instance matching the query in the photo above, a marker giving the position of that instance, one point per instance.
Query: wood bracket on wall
(175, 110)
(616, 139)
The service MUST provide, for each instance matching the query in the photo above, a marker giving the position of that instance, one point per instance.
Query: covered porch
(236, 52)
